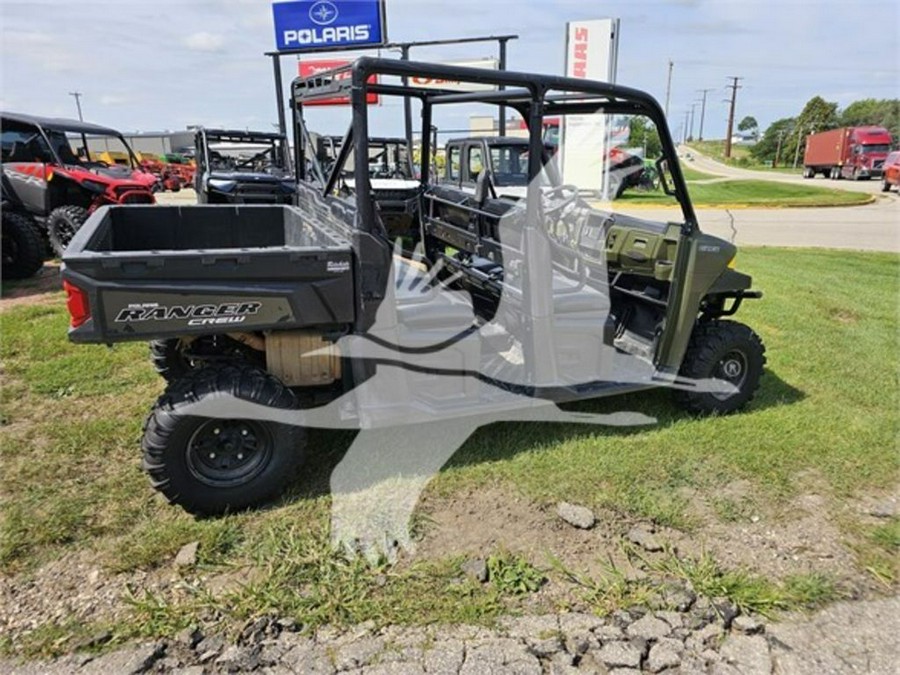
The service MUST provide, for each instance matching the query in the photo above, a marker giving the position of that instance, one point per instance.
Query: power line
(734, 87)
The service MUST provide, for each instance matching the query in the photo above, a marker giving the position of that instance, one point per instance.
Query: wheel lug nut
(212, 455)
(244, 432)
(240, 455)
(216, 431)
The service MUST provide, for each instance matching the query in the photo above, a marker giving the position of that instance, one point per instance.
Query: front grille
(878, 163)
(258, 188)
(137, 198)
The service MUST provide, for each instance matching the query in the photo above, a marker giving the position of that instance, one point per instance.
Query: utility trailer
(543, 298)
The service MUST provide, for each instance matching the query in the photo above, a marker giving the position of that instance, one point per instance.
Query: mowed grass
(692, 174)
(758, 193)
(826, 413)
(741, 157)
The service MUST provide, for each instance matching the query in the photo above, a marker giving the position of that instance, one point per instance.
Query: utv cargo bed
(140, 273)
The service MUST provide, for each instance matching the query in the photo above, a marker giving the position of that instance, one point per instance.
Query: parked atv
(166, 178)
(285, 313)
(60, 187)
(242, 167)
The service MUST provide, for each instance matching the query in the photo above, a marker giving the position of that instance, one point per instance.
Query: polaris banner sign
(327, 25)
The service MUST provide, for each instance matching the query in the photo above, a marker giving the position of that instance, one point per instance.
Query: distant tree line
(782, 136)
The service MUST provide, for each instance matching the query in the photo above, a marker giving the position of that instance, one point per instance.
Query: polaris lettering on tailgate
(195, 315)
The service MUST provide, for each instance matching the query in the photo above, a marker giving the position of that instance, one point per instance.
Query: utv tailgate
(164, 271)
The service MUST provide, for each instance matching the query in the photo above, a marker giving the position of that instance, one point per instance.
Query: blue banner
(321, 25)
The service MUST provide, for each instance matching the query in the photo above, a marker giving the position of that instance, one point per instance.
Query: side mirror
(662, 168)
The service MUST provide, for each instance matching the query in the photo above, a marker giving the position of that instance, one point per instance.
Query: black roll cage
(277, 142)
(529, 94)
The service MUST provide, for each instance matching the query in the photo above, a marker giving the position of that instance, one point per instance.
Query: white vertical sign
(591, 50)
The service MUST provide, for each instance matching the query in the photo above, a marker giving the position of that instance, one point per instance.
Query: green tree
(818, 115)
(642, 133)
(749, 123)
(869, 111)
(766, 148)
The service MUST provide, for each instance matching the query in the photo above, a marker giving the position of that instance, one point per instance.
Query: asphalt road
(874, 227)
(705, 164)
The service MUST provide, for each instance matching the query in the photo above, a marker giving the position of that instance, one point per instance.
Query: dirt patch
(479, 522)
(39, 289)
(798, 538)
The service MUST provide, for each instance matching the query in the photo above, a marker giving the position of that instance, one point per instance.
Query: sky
(153, 65)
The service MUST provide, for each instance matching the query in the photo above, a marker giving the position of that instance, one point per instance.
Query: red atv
(60, 187)
(167, 179)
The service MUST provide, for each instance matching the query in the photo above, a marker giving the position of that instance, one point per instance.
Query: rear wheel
(210, 466)
(22, 247)
(62, 224)
(809, 172)
(173, 358)
(726, 351)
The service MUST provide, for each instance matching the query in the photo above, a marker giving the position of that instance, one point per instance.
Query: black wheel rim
(227, 453)
(731, 368)
(64, 233)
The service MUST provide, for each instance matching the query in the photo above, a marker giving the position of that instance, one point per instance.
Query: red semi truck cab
(849, 152)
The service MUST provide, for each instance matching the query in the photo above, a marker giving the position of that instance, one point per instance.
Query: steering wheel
(556, 199)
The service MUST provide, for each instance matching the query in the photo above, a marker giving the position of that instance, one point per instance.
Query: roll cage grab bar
(529, 94)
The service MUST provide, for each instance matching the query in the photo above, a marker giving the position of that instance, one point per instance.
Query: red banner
(309, 68)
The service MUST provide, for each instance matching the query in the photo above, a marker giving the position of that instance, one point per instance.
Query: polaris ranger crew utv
(393, 183)
(242, 167)
(296, 310)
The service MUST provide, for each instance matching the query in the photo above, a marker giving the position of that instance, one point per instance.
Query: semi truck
(856, 153)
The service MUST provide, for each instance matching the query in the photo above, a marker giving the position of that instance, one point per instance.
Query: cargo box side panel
(154, 309)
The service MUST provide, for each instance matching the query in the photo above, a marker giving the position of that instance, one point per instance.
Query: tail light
(78, 304)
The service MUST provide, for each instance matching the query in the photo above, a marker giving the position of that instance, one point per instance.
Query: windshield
(247, 157)
(510, 164)
(388, 160)
(93, 151)
(877, 147)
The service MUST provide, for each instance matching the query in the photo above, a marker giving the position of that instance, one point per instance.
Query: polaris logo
(327, 35)
(195, 315)
(337, 267)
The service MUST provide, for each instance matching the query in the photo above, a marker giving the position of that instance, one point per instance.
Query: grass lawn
(752, 193)
(71, 422)
(741, 157)
(692, 174)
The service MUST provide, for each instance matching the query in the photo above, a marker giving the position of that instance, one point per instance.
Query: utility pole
(778, 147)
(693, 108)
(734, 87)
(687, 115)
(77, 95)
(799, 138)
(703, 110)
(669, 86)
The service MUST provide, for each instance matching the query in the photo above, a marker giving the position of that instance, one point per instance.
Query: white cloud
(204, 42)
(114, 99)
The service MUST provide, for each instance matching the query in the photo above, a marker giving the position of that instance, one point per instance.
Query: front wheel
(62, 224)
(726, 351)
(210, 466)
(22, 247)
(885, 186)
